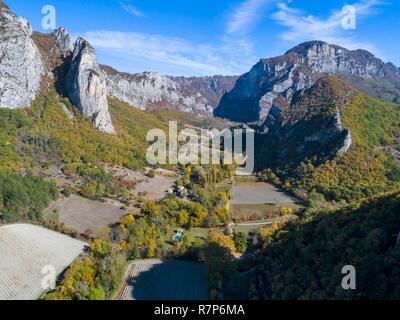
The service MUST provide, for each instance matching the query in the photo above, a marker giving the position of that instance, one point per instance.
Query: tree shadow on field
(169, 280)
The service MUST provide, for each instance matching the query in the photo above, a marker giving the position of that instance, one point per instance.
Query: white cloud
(239, 23)
(302, 27)
(244, 16)
(234, 53)
(168, 53)
(131, 9)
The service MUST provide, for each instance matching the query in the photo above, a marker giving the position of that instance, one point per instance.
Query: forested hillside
(24, 198)
(304, 259)
(53, 132)
(370, 166)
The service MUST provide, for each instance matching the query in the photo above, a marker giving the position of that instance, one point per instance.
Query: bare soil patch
(150, 188)
(82, 214)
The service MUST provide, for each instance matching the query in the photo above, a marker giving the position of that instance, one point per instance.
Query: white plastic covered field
(25, 250)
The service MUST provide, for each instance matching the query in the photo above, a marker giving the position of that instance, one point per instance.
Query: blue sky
(192, 37)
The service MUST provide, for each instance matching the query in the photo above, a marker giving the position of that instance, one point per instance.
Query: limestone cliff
(253, 96)
(21, 65)
(86, 86)
(148, 90)
(310, 126)
(63, 41)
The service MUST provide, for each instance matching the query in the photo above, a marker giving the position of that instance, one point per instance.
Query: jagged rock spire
(63, 41)
(86, 86)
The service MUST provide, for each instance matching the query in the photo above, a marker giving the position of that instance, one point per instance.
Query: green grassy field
(202, 233)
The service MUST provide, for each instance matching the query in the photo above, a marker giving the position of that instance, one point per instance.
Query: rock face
(63, 41)
(149, 90)
(309, 127)
(24, 58)
(86, 86)
(211, 89)
(54, 48)
(253, 97)
(21, 65)
(79, 76)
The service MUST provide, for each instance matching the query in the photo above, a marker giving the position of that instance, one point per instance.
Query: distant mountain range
(148, 90)
(292, 101)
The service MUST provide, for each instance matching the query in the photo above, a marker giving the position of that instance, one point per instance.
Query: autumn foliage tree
(311, 253)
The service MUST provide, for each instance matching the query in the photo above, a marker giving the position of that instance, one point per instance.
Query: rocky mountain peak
(305, 47)
(81, 48)
(63, 41)
(25, 57)
(86, 86)
(294, 101)
(76, 74)
(21, 65)
(253, 96)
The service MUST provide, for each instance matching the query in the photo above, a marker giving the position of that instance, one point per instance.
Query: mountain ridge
(299, 68)
(30, 61)
(282, 95)
(147, 90)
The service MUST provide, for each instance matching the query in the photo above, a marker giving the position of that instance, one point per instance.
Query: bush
(67, 192)
(240, 239)
(151, 174)
(89, 190)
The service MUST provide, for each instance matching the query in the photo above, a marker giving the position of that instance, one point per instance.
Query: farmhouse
(27, 253)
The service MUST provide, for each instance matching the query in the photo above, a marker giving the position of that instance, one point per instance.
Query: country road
(255, 223)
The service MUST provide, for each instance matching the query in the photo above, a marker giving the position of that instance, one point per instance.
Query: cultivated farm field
(155, 279)
(26, 252)
(82, 214)
(259, 198)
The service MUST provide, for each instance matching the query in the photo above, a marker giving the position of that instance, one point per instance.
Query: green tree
(151, 208)
(240, 239)
(89, 190)
(183, 217)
